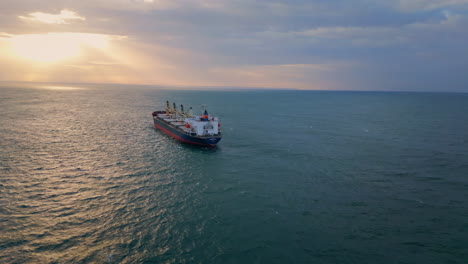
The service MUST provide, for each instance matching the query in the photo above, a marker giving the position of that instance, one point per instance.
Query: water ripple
(86, 179)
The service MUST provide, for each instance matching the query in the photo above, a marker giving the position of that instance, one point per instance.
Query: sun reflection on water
(63, 88)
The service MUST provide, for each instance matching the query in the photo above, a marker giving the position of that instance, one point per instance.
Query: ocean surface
(299, 177)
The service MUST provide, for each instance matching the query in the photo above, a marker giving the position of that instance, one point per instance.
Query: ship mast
(181, 113)
(174, 110)
(168, 108)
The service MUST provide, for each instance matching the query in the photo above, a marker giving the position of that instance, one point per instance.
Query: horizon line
(217, 88)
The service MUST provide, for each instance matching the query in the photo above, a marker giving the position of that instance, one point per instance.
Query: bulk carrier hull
(180, 135)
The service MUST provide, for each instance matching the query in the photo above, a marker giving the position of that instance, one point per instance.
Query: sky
(391, 45)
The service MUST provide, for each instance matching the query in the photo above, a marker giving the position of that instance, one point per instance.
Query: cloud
(298, 43)
(4, 35)
(61, 18)
(374, 36)
(302, 76)
(449, 23)
(418, 5)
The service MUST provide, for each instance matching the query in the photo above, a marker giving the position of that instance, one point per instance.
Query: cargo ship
(202, 130)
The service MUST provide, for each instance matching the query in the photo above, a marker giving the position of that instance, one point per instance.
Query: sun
(55, 47)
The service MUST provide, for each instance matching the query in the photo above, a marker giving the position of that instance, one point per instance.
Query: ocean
(299, 177)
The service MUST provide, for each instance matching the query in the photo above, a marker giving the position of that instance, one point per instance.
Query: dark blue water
(299, 177)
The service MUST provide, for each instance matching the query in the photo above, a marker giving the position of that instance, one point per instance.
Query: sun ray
(55, 47)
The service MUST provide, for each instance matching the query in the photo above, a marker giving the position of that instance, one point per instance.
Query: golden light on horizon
(55, 47)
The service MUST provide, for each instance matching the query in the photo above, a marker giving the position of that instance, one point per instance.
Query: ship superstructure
(201, 130)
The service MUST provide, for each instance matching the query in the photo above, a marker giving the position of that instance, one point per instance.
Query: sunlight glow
(54, 47)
